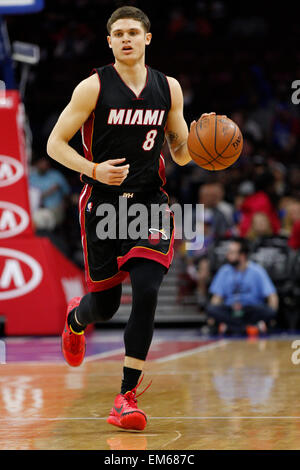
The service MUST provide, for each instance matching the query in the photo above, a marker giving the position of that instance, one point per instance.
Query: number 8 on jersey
(150, 140)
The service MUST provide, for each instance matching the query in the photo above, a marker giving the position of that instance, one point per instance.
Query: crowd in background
(232, 59)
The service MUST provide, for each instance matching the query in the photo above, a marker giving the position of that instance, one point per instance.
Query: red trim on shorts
(141, 252)
(144, 252)
(83, 199)
(96, 286)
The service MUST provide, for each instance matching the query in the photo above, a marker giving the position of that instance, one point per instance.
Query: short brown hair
(129, 12)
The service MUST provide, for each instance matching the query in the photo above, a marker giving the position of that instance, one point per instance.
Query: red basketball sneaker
(125, 413)
(73, 344)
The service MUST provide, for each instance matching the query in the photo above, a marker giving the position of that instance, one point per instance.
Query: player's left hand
(206, 114)
(209, 114)
(193, 123)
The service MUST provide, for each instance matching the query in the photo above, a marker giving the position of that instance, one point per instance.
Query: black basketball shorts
(105, 259)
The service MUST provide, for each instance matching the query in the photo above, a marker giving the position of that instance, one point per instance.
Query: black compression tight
(99, 306)
(146, 277)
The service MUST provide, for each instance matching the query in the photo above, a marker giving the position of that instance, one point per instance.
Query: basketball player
(124, 110)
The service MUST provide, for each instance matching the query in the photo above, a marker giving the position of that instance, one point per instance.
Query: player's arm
(81, 105)
(176, 127)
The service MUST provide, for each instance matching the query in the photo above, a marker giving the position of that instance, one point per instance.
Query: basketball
(215, 142)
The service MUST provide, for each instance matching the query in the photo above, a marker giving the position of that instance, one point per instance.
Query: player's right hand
(108, 173)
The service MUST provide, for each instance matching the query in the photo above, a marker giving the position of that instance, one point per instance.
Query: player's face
(128, 40)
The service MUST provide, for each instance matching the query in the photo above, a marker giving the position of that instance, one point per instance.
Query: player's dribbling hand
(108, 173)
(193, 123)
(206, 114)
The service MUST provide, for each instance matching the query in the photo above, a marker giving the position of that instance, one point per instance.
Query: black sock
(73, 323)
(130, 379)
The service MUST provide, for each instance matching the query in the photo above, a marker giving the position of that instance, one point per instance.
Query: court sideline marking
(113, 352)
(179, 418)
(174, 439)
(206, 347)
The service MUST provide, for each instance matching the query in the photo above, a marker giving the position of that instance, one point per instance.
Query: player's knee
(104, 315)
(105, 304)
(108, 312)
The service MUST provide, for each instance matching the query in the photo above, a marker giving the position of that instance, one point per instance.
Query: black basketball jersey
(126, 125)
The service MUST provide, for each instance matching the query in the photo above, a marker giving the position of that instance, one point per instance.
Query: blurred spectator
(291, 214)
(188, 95)
(249, 26)
(73, 40)
(294, 239)
(294, 181)
(218, 219)
(260, 201)
(285, 129)
(48, 188)
(197, 263)
(211, 195)
(225, 207)
(250, 126)
(203, 26)
(260, 226)
(279, 173)
(177, 22)
(239, 290)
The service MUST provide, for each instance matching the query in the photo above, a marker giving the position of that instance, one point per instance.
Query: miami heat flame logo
(156, 235)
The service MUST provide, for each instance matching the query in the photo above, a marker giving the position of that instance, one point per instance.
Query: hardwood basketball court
(206, 394)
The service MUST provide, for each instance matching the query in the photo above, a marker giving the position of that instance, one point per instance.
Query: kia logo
(13, 219)
(19, 273)
(11, 170)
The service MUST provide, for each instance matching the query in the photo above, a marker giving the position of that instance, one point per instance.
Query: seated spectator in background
(211, 195)
(259, 201)
(197, 263)
(239, 290)
(249, 126)
(279, 173)
(188, 95)
(225, 207)
(48, 188)
(294, 239)
(285, 129)
(294, 179)
(177, 23)
(260, 227)
(218, 220)
(291, 210)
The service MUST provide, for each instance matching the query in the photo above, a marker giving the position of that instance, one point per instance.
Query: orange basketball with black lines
(215, 142)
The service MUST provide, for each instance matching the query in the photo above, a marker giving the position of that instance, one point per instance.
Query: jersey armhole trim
(169, 90)
(92, 73)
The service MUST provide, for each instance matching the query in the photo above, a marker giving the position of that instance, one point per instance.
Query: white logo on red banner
(13, 219)
(19, 273)
(11, 170)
